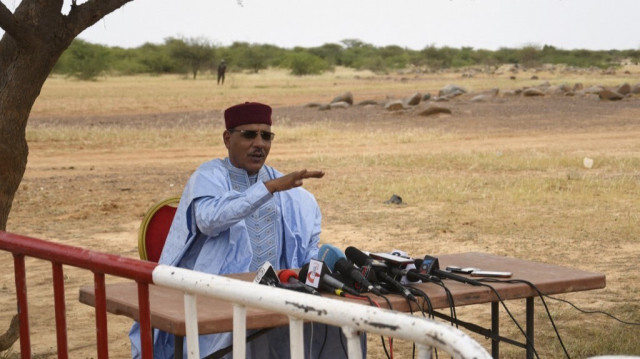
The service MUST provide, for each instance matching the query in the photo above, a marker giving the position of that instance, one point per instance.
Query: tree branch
(8, 22)
(84, 15)
(11, 335)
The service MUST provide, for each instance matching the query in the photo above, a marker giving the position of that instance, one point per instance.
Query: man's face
(244, 152)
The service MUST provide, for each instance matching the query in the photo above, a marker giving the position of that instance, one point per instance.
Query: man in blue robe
(237, 213)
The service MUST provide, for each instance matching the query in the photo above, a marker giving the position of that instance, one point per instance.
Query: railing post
(424, 351)
(296, 337)
(23, 311)
(60, 309)
(191, 322)
(146, 335)
(101, 315)
(239, 331)
(354, 348)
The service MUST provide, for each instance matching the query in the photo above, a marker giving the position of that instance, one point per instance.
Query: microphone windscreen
(302, 273)
(330, 254)
(285, 274)
(357, 256)
(343, 266)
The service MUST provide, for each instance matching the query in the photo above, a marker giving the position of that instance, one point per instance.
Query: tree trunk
(16, 100)
(36, 35)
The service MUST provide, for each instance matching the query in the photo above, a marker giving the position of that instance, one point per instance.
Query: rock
(492, 92)
(324, 107)
(345, 97)
(558, 89)
(395, 199)
(587, 162)
(531, 92)
(394, 105)
(433, 110)
(367, 102)
(486, 95)
(609, 95)
(451, 91)
(426, 97)
(480, 98)
(635, 89)
(414, 99)
(341, 104)
(623, 89)
(510, 93)
(578, 86)
(593, 89)
(534, 77)
(313, 104)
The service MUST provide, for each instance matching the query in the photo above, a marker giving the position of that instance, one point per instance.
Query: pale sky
(414, 24)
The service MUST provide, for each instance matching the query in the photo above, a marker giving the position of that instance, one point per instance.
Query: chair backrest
(155, 228)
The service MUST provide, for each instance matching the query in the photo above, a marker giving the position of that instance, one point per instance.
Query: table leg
(178, 347)
(495, 329)
(530, 327)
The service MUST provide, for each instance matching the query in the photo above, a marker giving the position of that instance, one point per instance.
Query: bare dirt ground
(96, 197)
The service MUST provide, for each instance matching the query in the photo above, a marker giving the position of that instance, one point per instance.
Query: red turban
(247, 113)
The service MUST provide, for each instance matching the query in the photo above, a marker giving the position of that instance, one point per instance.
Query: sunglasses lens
(249, 134)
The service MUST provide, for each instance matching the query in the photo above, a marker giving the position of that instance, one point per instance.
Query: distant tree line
(193, 56)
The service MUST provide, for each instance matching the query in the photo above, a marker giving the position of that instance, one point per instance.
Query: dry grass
(505, 189)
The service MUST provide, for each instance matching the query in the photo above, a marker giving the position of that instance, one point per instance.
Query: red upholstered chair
(155, 228)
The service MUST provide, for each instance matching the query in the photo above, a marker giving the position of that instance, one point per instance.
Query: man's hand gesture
(291, 180)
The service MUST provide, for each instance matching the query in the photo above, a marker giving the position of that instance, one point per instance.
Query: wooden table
(215, 316)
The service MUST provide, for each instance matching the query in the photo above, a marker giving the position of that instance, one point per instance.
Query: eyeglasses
(251, 134)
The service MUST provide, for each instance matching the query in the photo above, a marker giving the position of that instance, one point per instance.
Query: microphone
(347, 269)
(413, 274)
(290, 278)
(361, 259)
(266, 275)
(330, 254)
(430, 265)
(318, 275)
(338, 262)
(358, 257)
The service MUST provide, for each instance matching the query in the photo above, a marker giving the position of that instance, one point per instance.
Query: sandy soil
(95, 198)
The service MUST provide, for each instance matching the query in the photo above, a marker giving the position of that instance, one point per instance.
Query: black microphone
(367, 265)
(416, 273)
(381, 272)
(290, 280)
(430, 265)
(358, 257)
(326, 281)
(347, 269)
(413, 274)
(361, 259)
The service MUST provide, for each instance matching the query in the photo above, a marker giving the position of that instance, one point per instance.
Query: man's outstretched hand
(291, 180)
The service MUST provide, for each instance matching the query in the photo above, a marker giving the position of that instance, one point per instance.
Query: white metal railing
(301, 307)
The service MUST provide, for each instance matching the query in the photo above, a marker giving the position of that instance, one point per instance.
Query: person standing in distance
(222, 68)
(237, 213)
